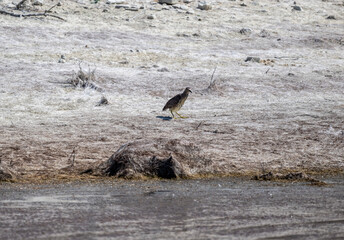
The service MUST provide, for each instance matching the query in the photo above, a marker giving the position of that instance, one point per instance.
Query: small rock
(124, 62)
(115, 1)
(122, 6)
(163, 70)
(151, 16)
(245, 31)
(190, 11)
(291, 74)
(38, 2)
(187, 1)
(331, 17)
(105, 10)
(156, 8)
(264, 34)
(103, 101)
(204, 6)
(182, 7)
(134, 9)
(252, 59)
(297, 8)
(243, 5)
(62, 60)
(169, 2)
(11, 5)
(183, 35)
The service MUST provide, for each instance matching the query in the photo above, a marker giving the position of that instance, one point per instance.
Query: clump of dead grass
(213, 87)
(85, 79)
(289, 177)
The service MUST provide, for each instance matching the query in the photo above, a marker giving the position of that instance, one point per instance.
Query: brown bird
(175, 103)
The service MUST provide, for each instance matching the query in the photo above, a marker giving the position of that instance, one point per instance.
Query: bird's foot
(181, 116)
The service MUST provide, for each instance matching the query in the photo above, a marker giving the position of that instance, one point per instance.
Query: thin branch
(212, 84)
(30, 15)
(49, 10)
(72, 157)
(199, 125)
(212, 76)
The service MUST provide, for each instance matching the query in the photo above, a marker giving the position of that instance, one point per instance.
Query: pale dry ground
(258, 117)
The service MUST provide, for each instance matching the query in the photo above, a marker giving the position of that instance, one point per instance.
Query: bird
(175, 103)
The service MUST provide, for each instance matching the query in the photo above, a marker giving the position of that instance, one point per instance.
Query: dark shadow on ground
(165, 118)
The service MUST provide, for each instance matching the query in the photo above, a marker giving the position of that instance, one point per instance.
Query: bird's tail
(164, 108)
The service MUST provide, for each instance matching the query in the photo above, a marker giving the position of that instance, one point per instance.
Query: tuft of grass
(212, 85)
(85, 79)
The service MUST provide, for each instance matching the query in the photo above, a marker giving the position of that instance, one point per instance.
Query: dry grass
(84, 79)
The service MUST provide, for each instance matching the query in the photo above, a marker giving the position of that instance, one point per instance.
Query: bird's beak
(190, 91)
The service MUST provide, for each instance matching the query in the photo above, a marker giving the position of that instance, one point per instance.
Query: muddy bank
(164, 158)
(170, 159)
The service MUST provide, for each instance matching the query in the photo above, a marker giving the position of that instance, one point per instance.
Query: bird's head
(187, 90)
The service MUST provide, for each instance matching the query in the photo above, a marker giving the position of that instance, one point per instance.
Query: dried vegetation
(85, 79)
(164, 158)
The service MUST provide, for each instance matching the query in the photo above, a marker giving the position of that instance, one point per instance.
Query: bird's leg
(172, 114)
(181, 116)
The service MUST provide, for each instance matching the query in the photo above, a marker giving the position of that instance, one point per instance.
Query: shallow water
(188, 209)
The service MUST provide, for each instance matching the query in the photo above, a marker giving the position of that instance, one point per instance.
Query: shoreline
(71, 178)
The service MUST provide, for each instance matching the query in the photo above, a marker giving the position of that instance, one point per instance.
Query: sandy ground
(286, 113)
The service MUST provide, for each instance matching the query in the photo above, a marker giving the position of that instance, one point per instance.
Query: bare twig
(212, 76)
(199, 125)
(45, 14)
(212, 84)
(49, 10)
(72, 157)
(267, 71)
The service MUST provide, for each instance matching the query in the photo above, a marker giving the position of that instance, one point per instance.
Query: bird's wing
(172, 102)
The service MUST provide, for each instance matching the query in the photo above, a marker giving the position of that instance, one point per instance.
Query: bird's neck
(185, 93)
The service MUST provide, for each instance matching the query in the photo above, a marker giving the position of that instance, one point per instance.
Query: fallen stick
(212, 76)
(199, 125)
(45, 14)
